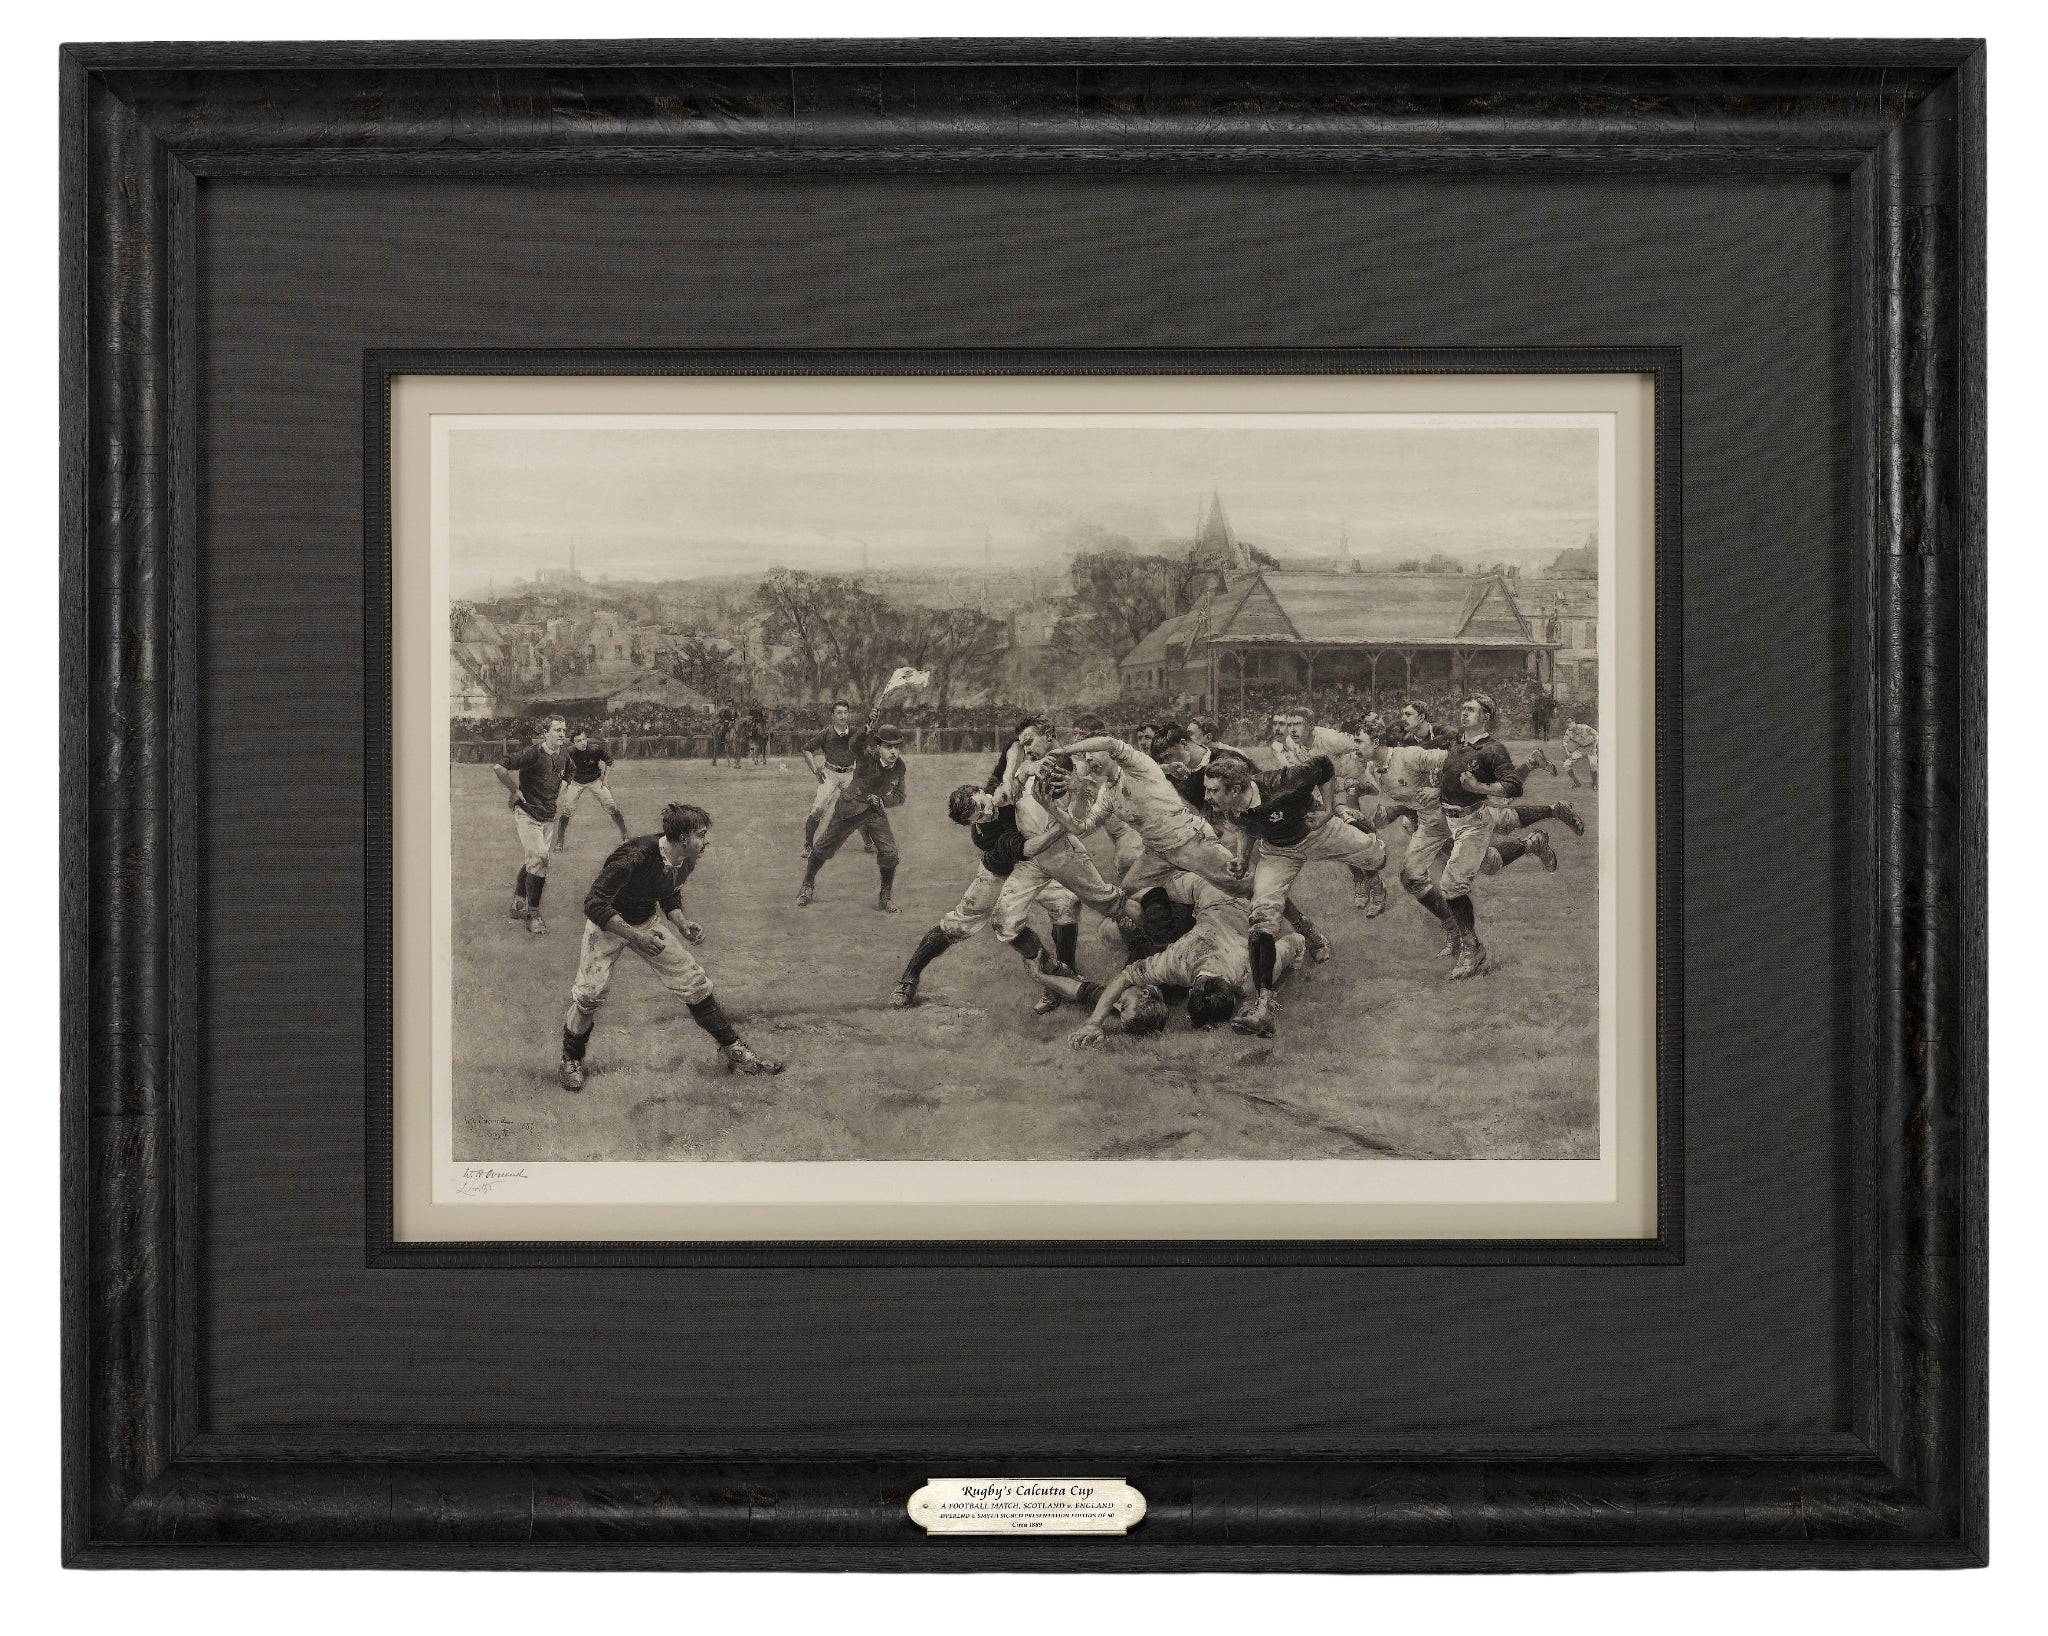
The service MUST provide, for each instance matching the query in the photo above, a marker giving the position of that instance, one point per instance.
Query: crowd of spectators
(669, 730)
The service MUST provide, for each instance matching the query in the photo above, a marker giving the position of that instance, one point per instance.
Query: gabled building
(1421, 633)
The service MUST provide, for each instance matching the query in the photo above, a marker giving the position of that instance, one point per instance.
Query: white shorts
(675, 965)
(977, 905)
(1029, 884)
(534, 840)
(828, 791)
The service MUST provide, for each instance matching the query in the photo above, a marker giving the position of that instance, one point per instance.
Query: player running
(1283, 815)
(533, 781)
(1297, 738)
(589, 762)
(1453, 833)
(830, 757)
(639, 878)
(1581, 749)
(862, 805)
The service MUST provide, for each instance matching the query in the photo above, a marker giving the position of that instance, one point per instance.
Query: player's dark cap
(890, 736)
(960, 804)
(680, 818)
(1211, 1001)
(1485, 702)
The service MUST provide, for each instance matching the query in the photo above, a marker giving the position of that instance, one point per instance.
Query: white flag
(907, 677)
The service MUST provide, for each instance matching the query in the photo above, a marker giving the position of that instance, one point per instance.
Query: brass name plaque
(1026, 1505)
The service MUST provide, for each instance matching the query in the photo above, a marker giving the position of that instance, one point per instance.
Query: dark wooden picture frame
(1902, 121)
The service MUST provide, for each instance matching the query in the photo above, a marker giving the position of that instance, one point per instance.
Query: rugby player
(1207, 967)
(639, 878)
(533, 782)
(589, 762)
(1282, 813)
(1452, 835)
(1138, 792)
(875, 785)
(830, 758)
(992, 826)
(1581, 749)
(1296, 738)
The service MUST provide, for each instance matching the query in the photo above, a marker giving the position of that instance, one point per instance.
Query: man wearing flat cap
(875, 785)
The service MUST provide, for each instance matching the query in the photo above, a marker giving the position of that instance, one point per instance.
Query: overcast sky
(669, 502)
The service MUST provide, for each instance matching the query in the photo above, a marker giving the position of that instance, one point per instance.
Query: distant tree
(1118, 597)
(963, 649)
(1260, 559)
(1580, 559)
(836, 635)
(713, 665)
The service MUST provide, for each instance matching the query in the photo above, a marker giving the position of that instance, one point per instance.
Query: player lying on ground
(642, 877)
(875, 785)
(1207, 966)
(1454, 831)
(589, 762)
(1281, 813)
(533, 781)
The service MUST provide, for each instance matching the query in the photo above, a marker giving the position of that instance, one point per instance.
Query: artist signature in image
(477, 1180)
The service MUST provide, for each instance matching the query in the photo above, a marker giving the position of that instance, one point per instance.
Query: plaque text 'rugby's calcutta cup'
(1026, 1505)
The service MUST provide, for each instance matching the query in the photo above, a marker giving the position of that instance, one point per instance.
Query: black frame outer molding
(1902, 121)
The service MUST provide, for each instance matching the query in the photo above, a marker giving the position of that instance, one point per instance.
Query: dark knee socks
(929, 947)
(1026, 943)
(573, 1043)
(1066, 943)
(1461, 913)
(535, 885)
(1431, 899)
(1510, 850)
(711, 1019)
(1262, 954)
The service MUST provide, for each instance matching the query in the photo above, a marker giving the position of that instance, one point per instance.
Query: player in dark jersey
(862, 807)
(589, 762)
(533, 781)
(830, 757)
(757, 736)
(993, 828)
(1453, 834)
(1283, 813)
(640, 878)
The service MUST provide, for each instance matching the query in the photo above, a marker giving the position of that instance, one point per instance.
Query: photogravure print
(1099, 788)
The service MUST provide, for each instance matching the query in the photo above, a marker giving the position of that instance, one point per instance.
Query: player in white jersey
(1582, 749)
(1136, 790)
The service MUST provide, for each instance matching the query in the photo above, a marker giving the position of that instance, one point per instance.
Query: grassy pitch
(1378, 1056)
